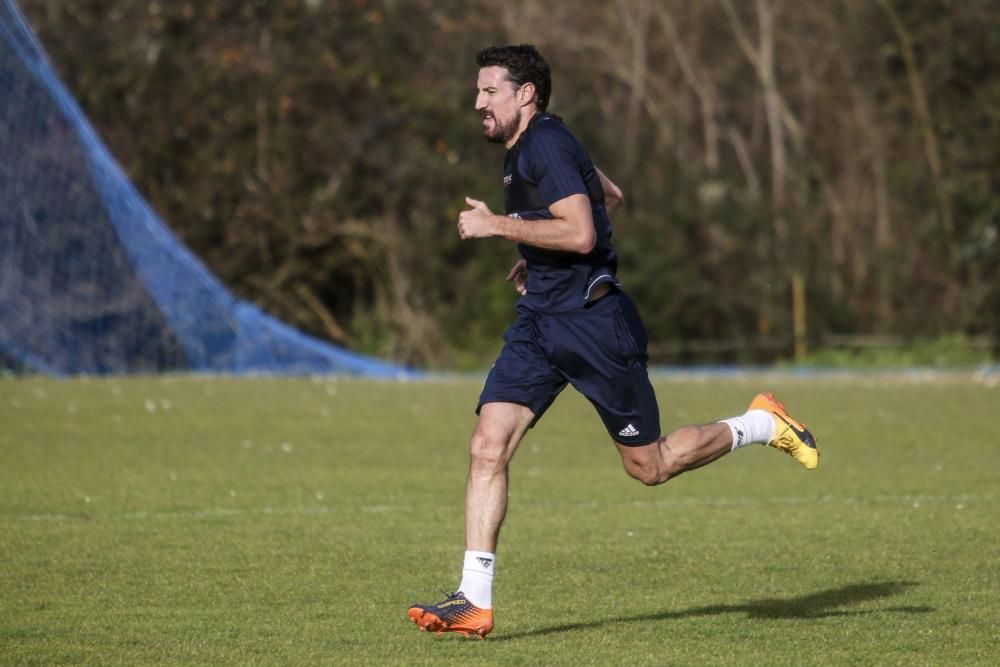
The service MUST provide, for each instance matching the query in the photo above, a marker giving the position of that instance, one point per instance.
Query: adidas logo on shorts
(628, 432)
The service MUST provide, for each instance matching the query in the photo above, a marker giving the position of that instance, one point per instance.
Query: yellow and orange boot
(454, 614)
(790, 436)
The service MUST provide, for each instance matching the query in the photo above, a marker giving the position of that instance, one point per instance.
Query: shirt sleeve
(555, 165)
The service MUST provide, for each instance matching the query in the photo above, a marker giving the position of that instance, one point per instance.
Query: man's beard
(503, 132)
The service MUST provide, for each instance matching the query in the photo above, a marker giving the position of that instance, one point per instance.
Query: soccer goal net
(91, 280)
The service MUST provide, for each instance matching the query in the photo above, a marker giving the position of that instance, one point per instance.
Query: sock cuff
(480, 561)
(752, 427)
(739, 431)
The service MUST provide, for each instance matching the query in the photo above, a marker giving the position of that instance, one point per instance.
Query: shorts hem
(635, 444)
(537, 414)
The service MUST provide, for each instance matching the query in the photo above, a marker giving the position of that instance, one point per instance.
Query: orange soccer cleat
(790, 436)
(454, 614)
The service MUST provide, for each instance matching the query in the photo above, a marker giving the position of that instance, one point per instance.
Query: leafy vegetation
(316, 154)
(946, 352)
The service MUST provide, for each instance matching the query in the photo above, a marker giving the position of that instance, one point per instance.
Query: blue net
(91, 280)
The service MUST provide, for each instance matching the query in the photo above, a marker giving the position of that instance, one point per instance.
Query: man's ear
(526, 94)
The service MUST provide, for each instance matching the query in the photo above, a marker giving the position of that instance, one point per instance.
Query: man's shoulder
(550, 131)
(550, 126)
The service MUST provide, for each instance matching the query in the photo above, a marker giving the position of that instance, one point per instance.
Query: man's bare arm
(519, 276)
(571, 229)
(613, 195)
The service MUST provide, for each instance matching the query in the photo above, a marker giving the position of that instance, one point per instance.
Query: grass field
(192, 520)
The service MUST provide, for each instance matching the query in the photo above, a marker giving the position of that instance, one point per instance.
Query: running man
(574, 325)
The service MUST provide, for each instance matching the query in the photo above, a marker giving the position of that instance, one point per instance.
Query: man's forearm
(570, 229)
(613, 195)
(549, 233)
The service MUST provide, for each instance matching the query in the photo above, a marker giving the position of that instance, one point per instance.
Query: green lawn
(194, 520)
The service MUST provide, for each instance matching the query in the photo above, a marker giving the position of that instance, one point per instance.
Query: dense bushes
(316, 154)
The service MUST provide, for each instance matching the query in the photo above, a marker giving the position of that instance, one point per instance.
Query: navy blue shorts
(600, 350)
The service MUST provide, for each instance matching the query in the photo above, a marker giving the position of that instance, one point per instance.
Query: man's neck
(525, 122)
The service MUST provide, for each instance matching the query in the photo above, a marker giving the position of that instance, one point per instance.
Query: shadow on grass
(832, 602)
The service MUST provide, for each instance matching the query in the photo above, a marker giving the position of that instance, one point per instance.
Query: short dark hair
(524, 64)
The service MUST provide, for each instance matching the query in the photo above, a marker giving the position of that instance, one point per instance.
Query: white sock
(477, 578)
(753, 427)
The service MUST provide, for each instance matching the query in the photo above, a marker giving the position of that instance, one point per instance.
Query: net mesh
(91, 280)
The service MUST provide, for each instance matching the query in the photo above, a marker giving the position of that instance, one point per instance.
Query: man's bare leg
(500, 429)
(687, 448)
(470, 610)
(765, 422)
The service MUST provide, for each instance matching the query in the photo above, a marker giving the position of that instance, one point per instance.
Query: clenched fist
(477, 222)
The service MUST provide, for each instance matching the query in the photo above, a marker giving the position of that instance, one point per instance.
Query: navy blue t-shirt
(547, 164)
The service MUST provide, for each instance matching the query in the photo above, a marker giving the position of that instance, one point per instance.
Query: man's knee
(645, 470)
(486, 451)
(645, 464)
(498, 432)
